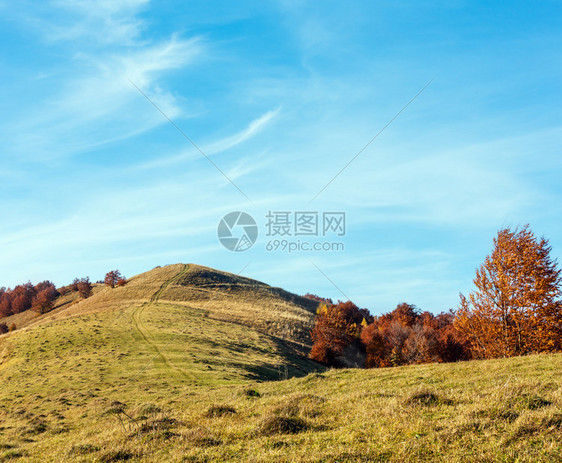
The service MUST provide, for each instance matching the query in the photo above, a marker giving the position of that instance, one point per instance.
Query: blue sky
(280, 95)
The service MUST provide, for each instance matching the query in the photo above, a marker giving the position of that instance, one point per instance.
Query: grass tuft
(424, 398)
(82, 449)
(274, 424)
(201, 437)
(149, 409)
(251, 393)
(116, 455)
(533, 402)
(36, 426)
(11, 455)
(116, 407)
(161, 428)
(220, 410)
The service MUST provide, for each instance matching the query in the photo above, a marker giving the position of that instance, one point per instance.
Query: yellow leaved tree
(516, 307)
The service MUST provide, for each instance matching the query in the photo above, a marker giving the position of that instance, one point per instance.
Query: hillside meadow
(156, 371)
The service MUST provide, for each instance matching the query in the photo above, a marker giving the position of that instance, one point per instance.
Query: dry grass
(220, 410)
(130, 379)
(223, 296)
(274, 424)
(241, 300)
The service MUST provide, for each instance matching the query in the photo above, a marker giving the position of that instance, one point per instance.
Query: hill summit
(175, 310)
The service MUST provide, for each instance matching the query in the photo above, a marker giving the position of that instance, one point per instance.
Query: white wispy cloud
(93, 102)
(256, 126)
(105, 21)
(211, 148)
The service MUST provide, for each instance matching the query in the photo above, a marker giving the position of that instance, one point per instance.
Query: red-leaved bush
(403, 336)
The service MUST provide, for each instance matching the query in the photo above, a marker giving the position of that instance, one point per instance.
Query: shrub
(64, 290)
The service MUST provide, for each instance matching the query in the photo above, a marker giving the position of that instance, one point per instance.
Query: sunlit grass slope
(156, 372)
(223, 296)
(501, 410)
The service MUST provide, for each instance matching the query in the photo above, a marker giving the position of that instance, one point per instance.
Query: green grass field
(133, 375)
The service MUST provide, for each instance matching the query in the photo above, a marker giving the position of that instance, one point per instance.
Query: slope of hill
(184, 315)
(241, 300)
(223, 296)
(171, 368)
(498, 410)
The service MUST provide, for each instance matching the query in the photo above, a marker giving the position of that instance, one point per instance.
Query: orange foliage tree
(114, 278)
(337, 327)
(515, 308)
(24, 297)
(406, 336)
(43, 302)
(84, 287)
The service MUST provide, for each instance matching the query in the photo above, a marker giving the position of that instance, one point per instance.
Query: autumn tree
(26, 296)
(43, 302)
(45, 294)
(112, 278)
(453, 345)
(5, 303)
(406, 336)
(377, 347)
(515, 308)
(46, 285)
(394, 328)
(84, 287)
(22, 297)
(337, 327)
(74, 285)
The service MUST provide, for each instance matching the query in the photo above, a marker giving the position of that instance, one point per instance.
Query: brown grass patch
(274, 424)
(120, 454)
(201, 437)
(220, 410)
(82, 449)
(425, 398)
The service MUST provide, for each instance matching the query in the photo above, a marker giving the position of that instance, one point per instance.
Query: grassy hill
(186, 363)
